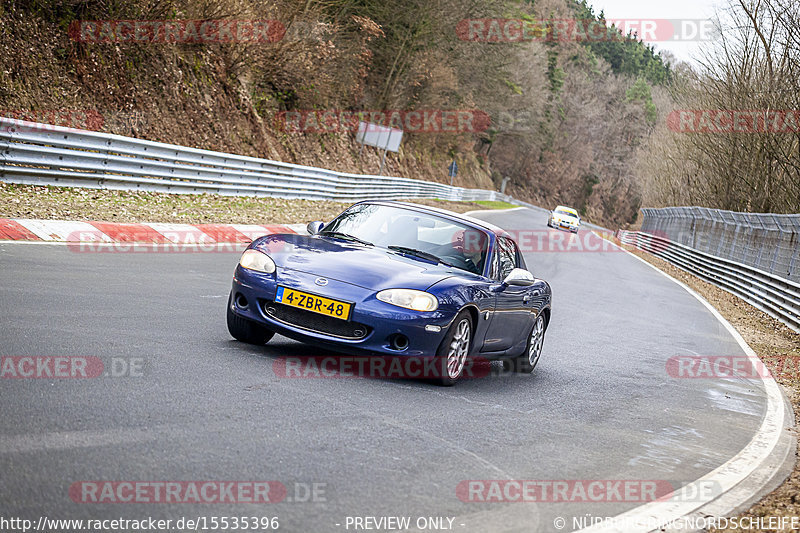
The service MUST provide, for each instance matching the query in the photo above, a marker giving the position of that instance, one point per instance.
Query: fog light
(433, 329)
(398, 342)
(241, 301)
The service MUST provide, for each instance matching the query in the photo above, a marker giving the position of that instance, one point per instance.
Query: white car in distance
(563, 217)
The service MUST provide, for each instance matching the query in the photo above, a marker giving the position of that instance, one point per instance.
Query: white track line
(727, 475)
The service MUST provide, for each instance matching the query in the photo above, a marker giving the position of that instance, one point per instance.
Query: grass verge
(495, 204)
(71, 203)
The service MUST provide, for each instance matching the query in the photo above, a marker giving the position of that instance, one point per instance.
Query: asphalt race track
(601, 405)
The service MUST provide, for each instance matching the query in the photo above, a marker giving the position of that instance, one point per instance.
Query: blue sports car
(395, 279)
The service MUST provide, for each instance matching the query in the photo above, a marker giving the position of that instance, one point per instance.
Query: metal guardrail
(776, 296)
(765, 241)
(41, 154)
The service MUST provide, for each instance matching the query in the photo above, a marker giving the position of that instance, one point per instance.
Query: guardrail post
(4, 146)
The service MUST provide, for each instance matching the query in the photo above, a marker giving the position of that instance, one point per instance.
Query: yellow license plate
(314, 303)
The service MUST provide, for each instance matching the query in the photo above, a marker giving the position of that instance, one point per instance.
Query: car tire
(526, 362)
(247, 331)
(454, 351)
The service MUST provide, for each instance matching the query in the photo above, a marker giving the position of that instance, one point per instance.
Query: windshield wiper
(346, 237)
(418, 253)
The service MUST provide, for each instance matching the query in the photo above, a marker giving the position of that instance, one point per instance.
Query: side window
(518, 261)
(506, 256)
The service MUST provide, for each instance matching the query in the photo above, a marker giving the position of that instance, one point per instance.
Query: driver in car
(471, 245)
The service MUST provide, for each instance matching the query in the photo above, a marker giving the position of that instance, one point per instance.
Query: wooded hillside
(568, 117)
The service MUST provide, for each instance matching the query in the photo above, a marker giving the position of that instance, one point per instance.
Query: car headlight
(409, 298)
(255, 260)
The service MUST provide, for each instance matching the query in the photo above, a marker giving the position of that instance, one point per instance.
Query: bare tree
(754, 72)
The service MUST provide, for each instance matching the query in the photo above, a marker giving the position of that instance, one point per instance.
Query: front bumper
(566, 225)
(372, 327)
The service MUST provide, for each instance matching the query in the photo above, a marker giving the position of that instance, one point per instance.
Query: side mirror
(519, 277)
(315, 227)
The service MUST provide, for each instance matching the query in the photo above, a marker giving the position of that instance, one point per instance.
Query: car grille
(315, 321)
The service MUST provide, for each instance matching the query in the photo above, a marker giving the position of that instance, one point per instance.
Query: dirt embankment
(191, 95)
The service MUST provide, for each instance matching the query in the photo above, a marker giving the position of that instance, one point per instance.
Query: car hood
(565, 218)
(364, 266)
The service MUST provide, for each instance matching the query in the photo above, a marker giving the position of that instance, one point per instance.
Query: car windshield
(422, 235)
(567, 213)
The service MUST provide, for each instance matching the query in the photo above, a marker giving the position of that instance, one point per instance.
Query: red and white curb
(66, 231)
